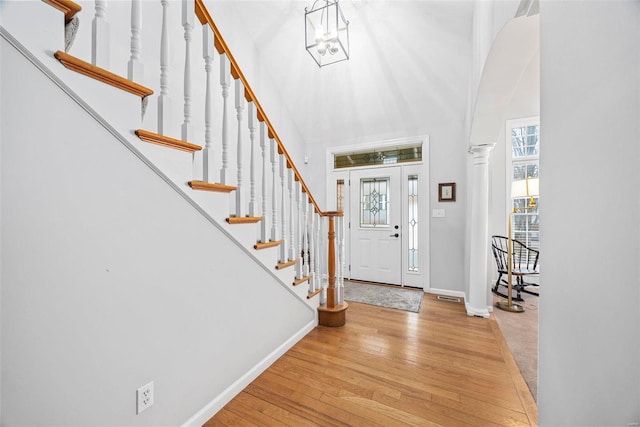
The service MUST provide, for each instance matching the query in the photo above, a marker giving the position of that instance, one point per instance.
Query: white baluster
(312, 248)
(252, 167)
(320, 259)
(188, 14)
(298, 237)
(305, 234)
(283, 228)
(135, 69)
(100, 36)
(225, 82)
(292, 237)
(265, 215)
(274, 190)
(164, 113)
(208, 53)
(240, 101)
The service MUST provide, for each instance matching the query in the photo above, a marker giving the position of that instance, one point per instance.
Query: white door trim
(421, 279)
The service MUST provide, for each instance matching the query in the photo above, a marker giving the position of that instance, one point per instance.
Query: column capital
(481, 150)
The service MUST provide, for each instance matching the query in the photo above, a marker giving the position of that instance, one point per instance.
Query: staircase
(200, 152)
(174, 111)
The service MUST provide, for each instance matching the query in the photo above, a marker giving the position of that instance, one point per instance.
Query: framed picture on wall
(447, 192)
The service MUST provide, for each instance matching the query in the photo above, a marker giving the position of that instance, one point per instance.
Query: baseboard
(447, 292)
(210, 409)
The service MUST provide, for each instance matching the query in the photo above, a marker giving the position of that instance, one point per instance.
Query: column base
(332, 317)
(477, 312)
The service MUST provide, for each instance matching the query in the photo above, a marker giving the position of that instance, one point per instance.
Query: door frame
(421, 279)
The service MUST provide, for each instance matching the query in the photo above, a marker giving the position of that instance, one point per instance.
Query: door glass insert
(412, 225)
(374, 202)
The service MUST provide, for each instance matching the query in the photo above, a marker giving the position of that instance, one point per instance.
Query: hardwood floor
(389, 367)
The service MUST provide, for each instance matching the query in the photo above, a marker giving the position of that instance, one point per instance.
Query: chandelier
(326, 32)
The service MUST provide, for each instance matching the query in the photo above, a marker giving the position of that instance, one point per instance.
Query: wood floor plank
(389, 367)
(228, 418)
(250, 413)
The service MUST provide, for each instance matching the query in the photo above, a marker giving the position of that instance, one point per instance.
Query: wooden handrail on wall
(221, 46)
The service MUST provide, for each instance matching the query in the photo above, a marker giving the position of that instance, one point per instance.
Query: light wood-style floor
(390, 368)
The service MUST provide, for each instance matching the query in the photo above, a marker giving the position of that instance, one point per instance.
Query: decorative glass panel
(374, 202)
(413, 223)
(384, 157)
(340, 195)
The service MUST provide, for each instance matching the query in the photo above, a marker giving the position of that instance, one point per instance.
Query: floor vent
(446, 298)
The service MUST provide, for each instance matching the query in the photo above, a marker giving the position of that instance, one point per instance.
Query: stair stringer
(175, 168)
(85, 329)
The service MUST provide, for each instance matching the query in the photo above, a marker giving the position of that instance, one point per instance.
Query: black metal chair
(525, 263)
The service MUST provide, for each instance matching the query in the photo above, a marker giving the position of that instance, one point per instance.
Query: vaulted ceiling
(408, 71)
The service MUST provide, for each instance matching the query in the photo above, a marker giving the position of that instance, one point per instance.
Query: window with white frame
(524, 146)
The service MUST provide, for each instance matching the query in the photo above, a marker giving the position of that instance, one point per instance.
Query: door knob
(394, 235)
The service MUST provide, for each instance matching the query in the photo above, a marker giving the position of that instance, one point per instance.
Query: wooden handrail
(221, 46)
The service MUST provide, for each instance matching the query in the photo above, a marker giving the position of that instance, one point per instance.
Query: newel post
(333, 312)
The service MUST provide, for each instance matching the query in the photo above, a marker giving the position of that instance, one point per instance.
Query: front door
(376, 218)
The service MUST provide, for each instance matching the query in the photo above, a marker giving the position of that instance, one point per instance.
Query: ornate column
(479, 236)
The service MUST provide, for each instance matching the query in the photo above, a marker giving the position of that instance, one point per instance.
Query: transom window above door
(387, 156)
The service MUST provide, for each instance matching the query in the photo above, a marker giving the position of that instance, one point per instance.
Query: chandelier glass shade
(326, 32)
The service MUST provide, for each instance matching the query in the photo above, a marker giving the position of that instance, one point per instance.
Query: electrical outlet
(145, 397)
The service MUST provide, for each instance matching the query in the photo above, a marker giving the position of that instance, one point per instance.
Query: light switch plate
(438, 213)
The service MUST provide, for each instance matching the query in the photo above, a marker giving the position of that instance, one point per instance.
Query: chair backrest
(524, 258)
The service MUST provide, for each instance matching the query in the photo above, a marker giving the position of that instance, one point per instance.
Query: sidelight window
(412, 226)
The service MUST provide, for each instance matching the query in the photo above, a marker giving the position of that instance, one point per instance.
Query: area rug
(384, 296)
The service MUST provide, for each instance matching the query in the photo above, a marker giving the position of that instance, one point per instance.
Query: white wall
(110, 279)
(589, 363)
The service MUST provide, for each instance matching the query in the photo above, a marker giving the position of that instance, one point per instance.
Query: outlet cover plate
(144, 397)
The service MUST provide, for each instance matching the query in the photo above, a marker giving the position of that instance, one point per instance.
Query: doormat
(384, 296)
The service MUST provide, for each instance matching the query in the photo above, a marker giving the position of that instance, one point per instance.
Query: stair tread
(282, 265)
(210, 186)
(269, 244)
(301, 280)
(314, 293)
(167, 141)
(100, 74)
(243, 219)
